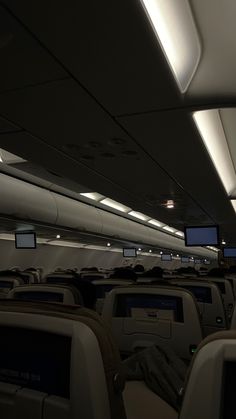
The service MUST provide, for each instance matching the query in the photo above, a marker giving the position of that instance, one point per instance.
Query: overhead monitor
(229, 252)
(201, 236)
(197, 261)
(184, 259)
(166, 258)
(25, 240)
(129, 252)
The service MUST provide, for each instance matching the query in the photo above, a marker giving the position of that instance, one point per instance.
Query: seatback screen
(150, 306)
(39, 296)
(201, 236)
(35, 359)
(6, 284)
(184, 259)
(202, 294)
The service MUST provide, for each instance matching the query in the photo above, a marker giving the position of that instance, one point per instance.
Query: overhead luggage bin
(45, 292)
(58, 362)
(210, 304)
(210, 387)
(141, 316)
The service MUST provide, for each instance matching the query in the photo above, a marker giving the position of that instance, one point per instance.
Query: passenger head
(124, 273)
(139, 268)
(217, 272)
(155, 272)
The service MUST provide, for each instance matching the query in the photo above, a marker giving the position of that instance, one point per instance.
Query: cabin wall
(51, 257)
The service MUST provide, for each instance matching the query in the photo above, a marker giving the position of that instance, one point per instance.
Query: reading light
(93, 195)
(58, 236)
(150, 251)
(177, 256)
(161, 253)
(155, 223)
(108, 244)
(139, 215)
(170, 204)
(139, 249)
(223, 242)
(212, 132)
(173, 24)
(116, 205)
(167, 228)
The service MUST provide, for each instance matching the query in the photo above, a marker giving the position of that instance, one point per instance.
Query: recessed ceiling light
(108, 244)
(161, 253)
(139, 215)
(93, 195)
(155, 223)
(177, 256)
(139, 249)
(170, 204)
(174, 26)
(170, 229)
(223, 242)
(116, 205)
(150, 251)
(58, 236)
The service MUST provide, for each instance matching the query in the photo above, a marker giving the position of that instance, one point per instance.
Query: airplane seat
(141, 316)
(47, 292)
(103, 287)
(141, 402)
(225, 288)
(8, 283)
(58, 361)
(86, 288)
(210, 303)
(91, 276)
(210, 385)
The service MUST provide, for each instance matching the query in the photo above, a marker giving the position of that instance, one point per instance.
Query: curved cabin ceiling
(91, 99)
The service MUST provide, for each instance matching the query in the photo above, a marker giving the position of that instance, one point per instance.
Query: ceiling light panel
(139, 215)
(116, 205)
(173, 24)
(156, 223)
(93, 195)
(170, 229)
(212, 132)
(179, 233)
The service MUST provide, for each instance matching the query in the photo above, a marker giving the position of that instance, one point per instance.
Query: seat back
(103, 287)
(45, 292)
(225, 288)
(232, 279)
(210, 388)
(6, 284)
(141, 316)
(91, 276)
(57, 361)
(210, 304)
